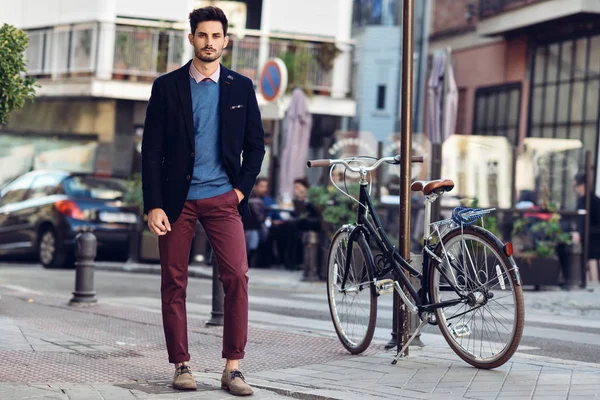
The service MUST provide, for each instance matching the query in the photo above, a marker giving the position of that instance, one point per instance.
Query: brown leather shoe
(183, 379)
(234, 382)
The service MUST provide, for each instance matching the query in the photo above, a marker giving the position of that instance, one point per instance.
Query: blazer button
(192, 154)
(188, 177)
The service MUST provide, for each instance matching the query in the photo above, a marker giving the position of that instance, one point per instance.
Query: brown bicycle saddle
(428, 187)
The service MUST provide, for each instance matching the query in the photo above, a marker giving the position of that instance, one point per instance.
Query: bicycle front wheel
(353, 304)
(486, 327)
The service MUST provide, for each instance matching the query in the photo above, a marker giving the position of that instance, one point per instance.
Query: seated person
(254, 224)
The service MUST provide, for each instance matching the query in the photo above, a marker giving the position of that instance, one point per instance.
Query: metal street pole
(405, 154)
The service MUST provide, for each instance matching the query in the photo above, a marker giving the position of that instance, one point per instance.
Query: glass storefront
(565, 104)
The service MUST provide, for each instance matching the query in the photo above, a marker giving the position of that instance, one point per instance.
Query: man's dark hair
(260, 179)
(209, 13)
(302, 181)
(581, 179)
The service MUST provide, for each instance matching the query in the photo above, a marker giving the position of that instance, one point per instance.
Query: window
(84, 186)
(565, 93)
(381, 97)
(497, 111)
(45, 185)
(15, 191)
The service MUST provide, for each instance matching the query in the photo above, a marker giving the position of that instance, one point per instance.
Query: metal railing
(63, 50)
(309, 64)
(489, 8)
(143, 53)
(73, 51)
(146, 52)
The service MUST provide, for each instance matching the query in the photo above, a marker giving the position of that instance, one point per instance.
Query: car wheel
(50, 253)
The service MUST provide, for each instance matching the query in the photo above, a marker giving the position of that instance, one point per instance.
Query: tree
(15, 87)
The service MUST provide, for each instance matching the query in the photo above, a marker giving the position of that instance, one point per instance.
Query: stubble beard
(208, 58)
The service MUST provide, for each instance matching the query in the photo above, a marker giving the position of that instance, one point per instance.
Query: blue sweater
(210, 178)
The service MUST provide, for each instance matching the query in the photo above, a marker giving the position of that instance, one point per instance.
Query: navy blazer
(168, 151)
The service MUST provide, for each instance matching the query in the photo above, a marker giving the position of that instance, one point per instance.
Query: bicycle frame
(365, 227)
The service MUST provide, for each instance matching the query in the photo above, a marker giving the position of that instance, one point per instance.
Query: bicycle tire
(502, 271)
(354, 343)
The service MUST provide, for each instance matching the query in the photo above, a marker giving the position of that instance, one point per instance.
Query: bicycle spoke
(482, 327)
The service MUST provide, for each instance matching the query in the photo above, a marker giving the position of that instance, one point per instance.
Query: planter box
(539, 271)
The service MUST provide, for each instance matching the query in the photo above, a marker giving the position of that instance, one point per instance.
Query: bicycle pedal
(460, 330)
(385, 286)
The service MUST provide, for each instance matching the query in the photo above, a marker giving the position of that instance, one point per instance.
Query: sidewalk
(49, 350)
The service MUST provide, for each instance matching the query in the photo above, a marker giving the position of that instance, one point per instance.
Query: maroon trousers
(223, 225)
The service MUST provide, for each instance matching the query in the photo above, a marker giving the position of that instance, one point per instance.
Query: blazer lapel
(185, 94)
(225, 82)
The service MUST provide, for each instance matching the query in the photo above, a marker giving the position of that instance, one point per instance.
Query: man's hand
(240, 195)
(158, 222)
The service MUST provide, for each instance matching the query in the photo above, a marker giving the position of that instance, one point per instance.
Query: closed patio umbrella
(295, 139)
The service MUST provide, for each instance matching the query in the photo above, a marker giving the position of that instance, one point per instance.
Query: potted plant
(536, 237)
(334, 208)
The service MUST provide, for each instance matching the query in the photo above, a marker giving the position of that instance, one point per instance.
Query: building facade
(528, 70)
(377, 30)
(95, 62)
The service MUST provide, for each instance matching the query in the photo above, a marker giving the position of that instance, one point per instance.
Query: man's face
(299, 191)
(208, 41)
(580, 190)
(261, 188)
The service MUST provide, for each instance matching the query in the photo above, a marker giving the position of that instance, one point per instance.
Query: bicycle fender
(514, 269)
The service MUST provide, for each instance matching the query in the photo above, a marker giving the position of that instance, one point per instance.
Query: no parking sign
(273, 79)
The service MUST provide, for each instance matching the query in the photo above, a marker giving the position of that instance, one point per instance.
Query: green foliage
(336, 208)
(134, 196)
(15, 87)
(299, 62)
(327, 54)
(546, 235)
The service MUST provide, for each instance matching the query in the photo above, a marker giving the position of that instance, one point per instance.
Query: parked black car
(42, 212)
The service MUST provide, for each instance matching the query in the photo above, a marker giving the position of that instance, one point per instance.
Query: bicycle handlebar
(318, 163)
(346, 163)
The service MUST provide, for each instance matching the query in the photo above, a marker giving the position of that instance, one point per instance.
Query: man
(580, 189)
(254, 223)
(200, 118)
(261, 191)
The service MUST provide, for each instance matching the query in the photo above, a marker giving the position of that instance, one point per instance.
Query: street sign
(273, 79)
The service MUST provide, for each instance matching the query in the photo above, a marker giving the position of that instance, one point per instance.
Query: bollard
(310, 240)
(573, 272)
(85, 253)
(134, 242)
(218, 295)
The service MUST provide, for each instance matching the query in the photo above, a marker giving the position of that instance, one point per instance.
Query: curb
(293, 392)
(147, 269)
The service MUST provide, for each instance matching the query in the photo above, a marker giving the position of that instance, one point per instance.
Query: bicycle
(468, 301)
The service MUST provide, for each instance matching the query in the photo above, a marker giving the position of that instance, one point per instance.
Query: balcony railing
(489, 8)
(309, 64)
(143, 53)
(146, 52)
(62, 50)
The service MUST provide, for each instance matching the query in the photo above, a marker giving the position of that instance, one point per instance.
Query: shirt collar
(198, 77)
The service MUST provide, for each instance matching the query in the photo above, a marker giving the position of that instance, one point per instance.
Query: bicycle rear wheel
(485, 329)
(354, 307)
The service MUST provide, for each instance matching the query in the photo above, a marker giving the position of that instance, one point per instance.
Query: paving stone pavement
(49, 350)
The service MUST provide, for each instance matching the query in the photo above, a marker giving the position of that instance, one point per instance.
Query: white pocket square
(236, 107)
